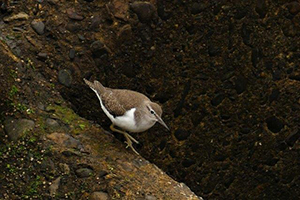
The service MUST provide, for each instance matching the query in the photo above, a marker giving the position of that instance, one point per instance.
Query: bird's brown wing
(117, 102)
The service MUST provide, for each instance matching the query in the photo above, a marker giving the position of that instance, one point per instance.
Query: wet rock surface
(99, 196)
(234, 128)
(16, 128)
(38, 26)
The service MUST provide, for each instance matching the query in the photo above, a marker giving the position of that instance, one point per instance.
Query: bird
(128, 110)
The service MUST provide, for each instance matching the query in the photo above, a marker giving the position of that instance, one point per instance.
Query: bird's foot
(128, 137)
(131, 138)
(129, 144)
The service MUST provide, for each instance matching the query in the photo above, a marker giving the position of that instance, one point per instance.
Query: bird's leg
(128, 137)
(124, 133)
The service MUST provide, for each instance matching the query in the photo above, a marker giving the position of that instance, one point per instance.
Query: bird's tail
(95, 86)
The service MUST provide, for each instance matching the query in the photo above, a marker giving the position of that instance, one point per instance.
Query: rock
(162, 12)
(53, 2)
(144, 10)
(16, 128)
(128, 70)
(125, 33)
(38, 26)
(65, 139)
(240, 13)
(64, 168)
(197, 8)
(197, 118)
(99, 196)
(84, 172)
(245, 130)
(181, 134)
(213, 50)
(150, 197)
(277, 75)
(70, 153)
(240, 84)
(95, 23)
(293, 137)
(186, 89)
(98, 49)
(73, 27)
(256, 56)
(246, 34)
(217, 99)
(188, 162)
(65, 77)
(102, 173)
(72, 54)
(47, 165)
(294, 7)
(261, 8)
(73, 15)
(219, 157)
(227, 75)
(41, 106)
(274, 124)
(52, 123)
(271, 161)
(19, 16)
(274, 95)
(72, 143)
(42, 56)
(54, 186)
(295, 77)
(81, 38)
(118, 9)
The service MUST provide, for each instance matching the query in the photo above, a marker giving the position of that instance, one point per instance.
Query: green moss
(68, 116)
(33, 186)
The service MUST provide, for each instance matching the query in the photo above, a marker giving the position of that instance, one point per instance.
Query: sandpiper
(129, 110)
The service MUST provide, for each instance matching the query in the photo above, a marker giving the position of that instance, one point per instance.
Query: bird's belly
(126, 121)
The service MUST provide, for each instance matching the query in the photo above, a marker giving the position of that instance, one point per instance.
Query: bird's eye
(152, 112)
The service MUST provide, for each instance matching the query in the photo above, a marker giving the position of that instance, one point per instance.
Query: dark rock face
(65, 77)
(144, 10)
(274, 124)
(84, 172)
(98, 49)
(181, 134)
(217, 99)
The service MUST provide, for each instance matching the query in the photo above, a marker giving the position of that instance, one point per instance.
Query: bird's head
(155, 112)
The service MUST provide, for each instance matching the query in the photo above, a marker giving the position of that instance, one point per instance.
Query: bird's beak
(162, 122)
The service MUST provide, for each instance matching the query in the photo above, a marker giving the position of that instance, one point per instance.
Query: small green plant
(10, 168)
(29, 111)
(10, 37)
(34, 185)
(13, 91)
(21, 107)
(13, 73)
(29, 64)
(82, 126)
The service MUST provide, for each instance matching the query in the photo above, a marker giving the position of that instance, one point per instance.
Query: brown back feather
(117, 101)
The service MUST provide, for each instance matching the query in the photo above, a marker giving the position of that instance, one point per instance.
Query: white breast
(125, 122)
